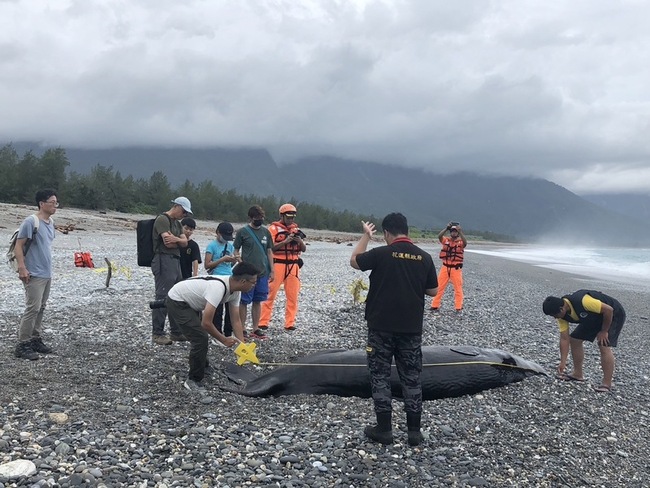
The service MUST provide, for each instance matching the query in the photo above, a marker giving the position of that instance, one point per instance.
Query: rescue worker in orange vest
(288, 244)
(452, 252)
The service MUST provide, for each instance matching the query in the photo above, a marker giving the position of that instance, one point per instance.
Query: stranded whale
(447, 371)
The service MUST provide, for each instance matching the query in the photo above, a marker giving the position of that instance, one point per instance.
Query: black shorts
(587, 331)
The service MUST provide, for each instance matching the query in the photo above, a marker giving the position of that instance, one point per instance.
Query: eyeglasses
(252, 282)
(290, 216)
(52, 202)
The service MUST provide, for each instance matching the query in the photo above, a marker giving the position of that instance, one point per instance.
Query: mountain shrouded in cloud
(556, 90)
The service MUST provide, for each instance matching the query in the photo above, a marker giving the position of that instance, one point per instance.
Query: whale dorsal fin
(466, 350)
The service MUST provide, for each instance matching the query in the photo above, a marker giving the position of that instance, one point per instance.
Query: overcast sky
(554, 89)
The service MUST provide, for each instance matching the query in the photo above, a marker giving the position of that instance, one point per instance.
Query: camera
(299, 233)
(157, 303)
(455, 224)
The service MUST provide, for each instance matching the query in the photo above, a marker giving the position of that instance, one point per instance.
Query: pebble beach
(109, 408)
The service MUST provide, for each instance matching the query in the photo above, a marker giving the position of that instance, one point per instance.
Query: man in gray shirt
(34, 258)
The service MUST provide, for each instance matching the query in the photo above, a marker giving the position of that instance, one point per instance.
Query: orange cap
(287, 208)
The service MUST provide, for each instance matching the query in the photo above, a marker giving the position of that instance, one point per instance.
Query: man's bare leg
(607, 363)
(256, 312)
(578, 356)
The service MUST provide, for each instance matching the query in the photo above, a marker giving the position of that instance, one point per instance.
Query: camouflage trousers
(407, 350)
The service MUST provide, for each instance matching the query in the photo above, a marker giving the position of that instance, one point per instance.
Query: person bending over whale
(599, 317)
(401, 275)
(192, 303)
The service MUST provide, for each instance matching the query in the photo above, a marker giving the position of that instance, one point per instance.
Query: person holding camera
(288, 244)
(452, 255)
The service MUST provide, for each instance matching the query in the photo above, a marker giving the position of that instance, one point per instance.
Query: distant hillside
(633, 205)
(528, 209)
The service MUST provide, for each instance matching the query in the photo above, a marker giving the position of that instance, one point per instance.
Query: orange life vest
(452, 252)
(289, 253)
(83, 260)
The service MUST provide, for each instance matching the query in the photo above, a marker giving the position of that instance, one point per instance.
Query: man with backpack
(33, 252)
(192, 304)
(168, 240)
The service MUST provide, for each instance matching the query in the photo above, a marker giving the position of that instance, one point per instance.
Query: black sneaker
(258, 334)
(383, 437)
(39, 346)
(24, 351)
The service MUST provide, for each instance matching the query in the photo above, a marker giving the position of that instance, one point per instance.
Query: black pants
(407, 351)
(189, 321)
(221, 318)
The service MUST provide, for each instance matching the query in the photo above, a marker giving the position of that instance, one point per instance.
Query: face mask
(258, 222)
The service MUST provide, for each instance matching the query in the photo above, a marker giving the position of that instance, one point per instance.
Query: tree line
(106, 189)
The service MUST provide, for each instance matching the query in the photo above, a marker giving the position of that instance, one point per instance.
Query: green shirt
(164, 223)
(254, 248)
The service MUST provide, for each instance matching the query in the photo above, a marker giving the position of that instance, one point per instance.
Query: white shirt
(199, 291)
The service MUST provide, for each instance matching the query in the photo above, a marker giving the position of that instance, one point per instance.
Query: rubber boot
(413, 427)
(383, 431)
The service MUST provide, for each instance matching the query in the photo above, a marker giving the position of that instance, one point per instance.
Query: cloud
(556, 90)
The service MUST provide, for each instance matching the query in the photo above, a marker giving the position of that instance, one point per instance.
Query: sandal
(603, 389)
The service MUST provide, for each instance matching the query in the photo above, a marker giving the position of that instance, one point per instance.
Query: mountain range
(528, 209)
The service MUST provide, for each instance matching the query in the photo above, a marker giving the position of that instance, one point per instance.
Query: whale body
(447, 371)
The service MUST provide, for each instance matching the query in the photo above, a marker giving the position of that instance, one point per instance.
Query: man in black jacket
(599, 317)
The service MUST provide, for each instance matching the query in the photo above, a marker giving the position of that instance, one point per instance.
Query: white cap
(185, 203)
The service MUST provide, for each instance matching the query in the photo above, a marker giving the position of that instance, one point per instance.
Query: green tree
(9, 170)
(103, 188)
(27, 183)
(79, 192)
(50, 169)
(158, 192)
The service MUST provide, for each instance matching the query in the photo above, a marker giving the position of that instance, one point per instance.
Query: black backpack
(144, 232)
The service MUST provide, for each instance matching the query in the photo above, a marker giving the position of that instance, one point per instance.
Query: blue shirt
(219, 250)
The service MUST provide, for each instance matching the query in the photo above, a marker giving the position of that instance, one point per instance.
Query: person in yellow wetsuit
(598, 316)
